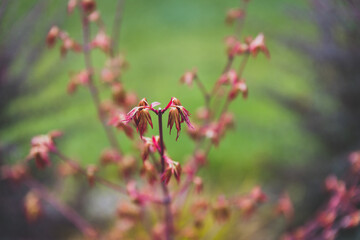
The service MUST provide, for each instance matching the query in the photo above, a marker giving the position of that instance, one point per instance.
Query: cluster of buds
(151, 145)
(177, 114)
(249, 46)
(249, 203)
(172, 168)
(110, 156)
(88, 6)
(216, 131)
(188, 77)
(80, 78)
(68, 44)
(221, 209)
(234, 14)
(118, 120)
(340, 211)
(40, 148)
(101, 41)
(15, 173)
(113, 68)
(238, 85)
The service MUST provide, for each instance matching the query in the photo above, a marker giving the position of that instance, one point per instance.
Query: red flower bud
(234, 14)
(119, 121)
(177, 114)
(141, 115)
(221, 209)
(52, 36)
(15, 173)
(88, 5)
(101, 41)
(258, 44)
(71, 6)
(188, 77)
(110, 156)
(173, 168)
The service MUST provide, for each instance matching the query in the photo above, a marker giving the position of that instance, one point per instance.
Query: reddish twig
(167, 198)
(69, 213)
(92, 87)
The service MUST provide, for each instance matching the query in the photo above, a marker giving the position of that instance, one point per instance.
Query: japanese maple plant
(151, 192)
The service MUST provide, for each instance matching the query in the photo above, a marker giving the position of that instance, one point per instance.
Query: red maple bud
(198, 184)
(177, 114)
(258, 44)
(107, 75)
(71, 6)
(69, 45)
(127, 166)
(129, 212)
(110, 156)
(203, 113)
(148, 170)
(195, 132)
(354, 159)
(351, 220)
(94, 16)
(88, 5)
(141, 116)
(151, 145)
(247, 205)
(221, 209)
(52, 36)
(234, 14)
(285, 206)
(102, 41)
(258, 195)
(118, 93)
(119, 121)
(237, 87)
(200, 158)
(173, 168)
(15, 173)
(32, 206)
(90, 173)
(40, 147)
(65, 169)
(188, 77)
(80, 78)
(134, 194)
(227, 120)
(230, 77)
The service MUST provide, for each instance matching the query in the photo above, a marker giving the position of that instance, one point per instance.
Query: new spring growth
(141, 116)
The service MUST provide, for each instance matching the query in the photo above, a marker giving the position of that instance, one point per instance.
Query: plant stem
(98, 179)
(93, 89)
(116, 28)
(169, 225)
(65, 210)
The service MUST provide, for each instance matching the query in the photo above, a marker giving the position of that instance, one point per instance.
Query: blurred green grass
(161, 40)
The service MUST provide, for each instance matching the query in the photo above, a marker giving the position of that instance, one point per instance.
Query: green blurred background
(299, 123)
(161, 40)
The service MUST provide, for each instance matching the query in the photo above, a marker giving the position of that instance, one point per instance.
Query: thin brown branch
(69, 213)
(98, 179)
(116, 28)
(92, 87)
(167, 198)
